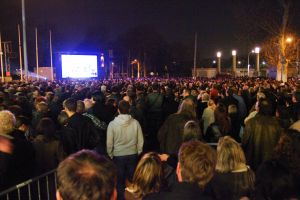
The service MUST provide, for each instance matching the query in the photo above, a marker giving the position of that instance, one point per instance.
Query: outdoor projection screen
(79, 66)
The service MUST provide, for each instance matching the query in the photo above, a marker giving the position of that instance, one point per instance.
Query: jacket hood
(123, 120)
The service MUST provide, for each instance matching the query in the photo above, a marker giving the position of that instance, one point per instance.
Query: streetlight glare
(257, 50)
(219, 54)
(233, 52)
(289, 39)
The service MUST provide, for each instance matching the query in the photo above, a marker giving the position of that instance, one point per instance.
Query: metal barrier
(42, 187)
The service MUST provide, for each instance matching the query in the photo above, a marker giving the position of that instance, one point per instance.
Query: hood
(123, 120)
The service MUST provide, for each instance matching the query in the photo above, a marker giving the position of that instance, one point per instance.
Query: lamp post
(219, 55)
(257, 50)
(24, 40)
(234, 62)
(248, 63)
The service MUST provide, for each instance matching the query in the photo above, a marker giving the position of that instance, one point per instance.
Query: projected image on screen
(79, 66)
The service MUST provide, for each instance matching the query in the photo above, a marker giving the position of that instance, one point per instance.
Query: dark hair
(191, 131)
(288, 149)
(62, 118)
(297, 95)
(20, 120)
(86, 175)
(70, 104)
(265, 107)
(46, 127)
(124, 107)
(80, 107)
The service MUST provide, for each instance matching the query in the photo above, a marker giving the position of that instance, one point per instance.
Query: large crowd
(223, 138)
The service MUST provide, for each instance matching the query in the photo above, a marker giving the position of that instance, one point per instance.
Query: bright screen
(79, 66)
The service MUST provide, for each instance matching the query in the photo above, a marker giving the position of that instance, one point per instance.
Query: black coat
(171, 132)
(180, 191)
(20, 165)
(86, 134)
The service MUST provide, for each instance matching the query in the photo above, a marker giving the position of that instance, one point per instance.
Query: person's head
(22, 123)
(196, 163)
(124, 107)
(70, 106)
(187, 107)
(80, 107)
(42, 107)
(186, 92)
(86, 175)
(230, 155)
(288, 148)
(7, 122)
(62, 118)
(264, 107)
(46, 127)
(148, 175)
(232, 109)
(191, 131)
(296, 96)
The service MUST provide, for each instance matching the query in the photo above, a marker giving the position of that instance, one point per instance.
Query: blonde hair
(187, 107)
(148, 175)
(7, 122)
(197, 161)
(230, 155)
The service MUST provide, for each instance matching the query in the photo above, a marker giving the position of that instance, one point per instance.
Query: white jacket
(124, 136)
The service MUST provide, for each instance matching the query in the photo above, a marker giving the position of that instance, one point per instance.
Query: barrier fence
(42, 187)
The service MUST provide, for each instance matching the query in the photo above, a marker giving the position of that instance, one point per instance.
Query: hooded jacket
(124, 136)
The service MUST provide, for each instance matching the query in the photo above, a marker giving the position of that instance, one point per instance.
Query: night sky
(82, 21)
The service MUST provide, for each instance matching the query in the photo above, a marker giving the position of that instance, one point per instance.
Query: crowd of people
(223, 138)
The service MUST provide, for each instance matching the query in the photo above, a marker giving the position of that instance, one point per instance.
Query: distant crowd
(178, 138)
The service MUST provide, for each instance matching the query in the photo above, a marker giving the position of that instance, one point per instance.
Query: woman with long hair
(147, 178)
(170, 134)
(233, 179)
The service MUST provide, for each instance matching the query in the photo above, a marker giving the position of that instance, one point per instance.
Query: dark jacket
(171, 132)
(180, 191)
(260, 136)
(86, 136)
(48, 153)
(231, 185)
(21, 163)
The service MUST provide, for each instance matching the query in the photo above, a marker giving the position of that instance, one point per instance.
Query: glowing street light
(219, 55)
(289, 40)
(257, 51)
(234, 61)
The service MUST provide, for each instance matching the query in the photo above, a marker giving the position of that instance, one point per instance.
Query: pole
(248, 64)
(257, 64)
(51, 58)
(20, 53)
(1, 60)
(219, 65)
(138, 65)
(37, 53)
(24, 40)
(234, 64)
(195, 56)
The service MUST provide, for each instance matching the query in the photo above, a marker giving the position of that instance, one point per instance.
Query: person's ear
(178, 172)
(58, 196)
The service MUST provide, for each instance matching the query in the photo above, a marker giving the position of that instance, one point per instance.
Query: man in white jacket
(124, 144)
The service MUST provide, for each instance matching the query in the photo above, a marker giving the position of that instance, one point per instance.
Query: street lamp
(234, 61)
(135, 61)
(257, 51)
(219, 55)
(248, 61)
(24, 40)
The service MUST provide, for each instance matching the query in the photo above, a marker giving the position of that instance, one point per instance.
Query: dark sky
(177, 20)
